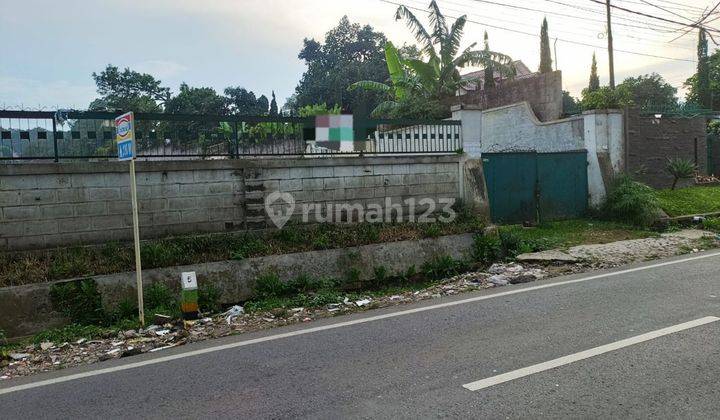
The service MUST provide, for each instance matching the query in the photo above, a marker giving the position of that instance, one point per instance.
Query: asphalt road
(410, 365)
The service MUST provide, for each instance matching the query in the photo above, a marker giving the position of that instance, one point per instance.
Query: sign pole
(125, 128)
(136, 234)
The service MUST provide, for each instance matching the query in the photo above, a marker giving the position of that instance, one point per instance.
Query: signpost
(125, 128)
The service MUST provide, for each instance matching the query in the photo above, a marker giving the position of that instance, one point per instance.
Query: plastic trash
(363, 302)
(233, 313)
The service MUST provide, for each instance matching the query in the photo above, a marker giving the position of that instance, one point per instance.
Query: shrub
(79, 301)
(631, 202)
(158, 298)
(209, 299)
(606, 98)
(442, 267)
(712, 224)
(680, 168)
(69, 333)
(486, 248)
(269, 285)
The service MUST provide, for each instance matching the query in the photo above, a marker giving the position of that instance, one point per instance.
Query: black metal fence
(75, 135)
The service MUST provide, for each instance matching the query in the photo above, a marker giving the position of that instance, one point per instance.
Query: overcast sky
(50, 48)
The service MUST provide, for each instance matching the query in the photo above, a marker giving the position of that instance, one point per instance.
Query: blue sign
(126, 151)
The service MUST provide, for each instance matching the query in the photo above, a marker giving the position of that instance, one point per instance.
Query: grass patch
(567, 233)
(57, 264)
(688, 201)
(712, 224)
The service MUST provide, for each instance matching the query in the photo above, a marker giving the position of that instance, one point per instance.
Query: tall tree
(594, 79)
(650, 90)
(695, 92)
(241, 101)
(262, 105)
(704, 95)
(415, 81)
(489, 79)
(273, 106)
(350, 52)
(192, 100)
(128, 90)
(545, 56)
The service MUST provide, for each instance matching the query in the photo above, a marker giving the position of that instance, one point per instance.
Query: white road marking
(192, 353)
(566, 360)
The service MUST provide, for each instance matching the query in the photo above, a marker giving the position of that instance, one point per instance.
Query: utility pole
(610, 46)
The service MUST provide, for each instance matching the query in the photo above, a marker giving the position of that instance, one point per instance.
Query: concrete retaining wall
(48, 205)
(27, 309)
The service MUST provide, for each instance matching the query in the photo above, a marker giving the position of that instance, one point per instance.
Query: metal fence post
(236, 142)
(55, 144)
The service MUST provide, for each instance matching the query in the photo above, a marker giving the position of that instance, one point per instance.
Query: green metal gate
(713, 155)
(529, 186)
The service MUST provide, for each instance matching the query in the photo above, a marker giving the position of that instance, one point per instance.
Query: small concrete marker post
(125, 137)
(189, 296)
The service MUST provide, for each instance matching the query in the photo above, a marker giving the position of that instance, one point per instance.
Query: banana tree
(438, 77)
(401, 84)
(440, 74)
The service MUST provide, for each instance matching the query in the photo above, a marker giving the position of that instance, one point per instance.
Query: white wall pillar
(604, 134)
(471, 129)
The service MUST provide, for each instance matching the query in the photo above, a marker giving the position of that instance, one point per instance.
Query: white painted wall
(604, 135)
(471, 130)
(516, 128)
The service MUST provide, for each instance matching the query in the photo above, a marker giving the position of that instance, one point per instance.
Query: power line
(695, 25)
(583, 18)
(649, 41)
(536, 35)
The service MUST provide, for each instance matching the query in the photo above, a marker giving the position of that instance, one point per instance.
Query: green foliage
(594, 83)
(273, 106)
(269, 285)
(442, 267)
(159, 254)
(712, 224)
(241, 101)
(630, 202)
(687, 201)
(702, 89)
(571, 105)
(414, 81)
(486, 248)
(606, 98)
(545, 56)
(209, 298)
(349, 52)
(651, 91)
(79, 301)
(680, 168)
(489, 71)
(159, 299)
(129, 91)
(312, 110)
(380, 277)
(249, 247)
(69, 333)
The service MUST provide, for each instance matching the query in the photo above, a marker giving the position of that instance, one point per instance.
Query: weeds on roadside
(631, 202)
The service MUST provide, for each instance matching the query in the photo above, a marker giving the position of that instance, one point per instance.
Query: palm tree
(438, 77)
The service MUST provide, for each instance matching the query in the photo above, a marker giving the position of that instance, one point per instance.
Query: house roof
(473, 78)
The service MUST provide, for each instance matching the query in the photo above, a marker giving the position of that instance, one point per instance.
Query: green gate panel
(562, 185)
(510, 179)
(713, 155)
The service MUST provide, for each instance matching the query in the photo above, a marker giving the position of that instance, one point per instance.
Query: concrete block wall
(652, 141)
(45, 205)
(542, 91)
